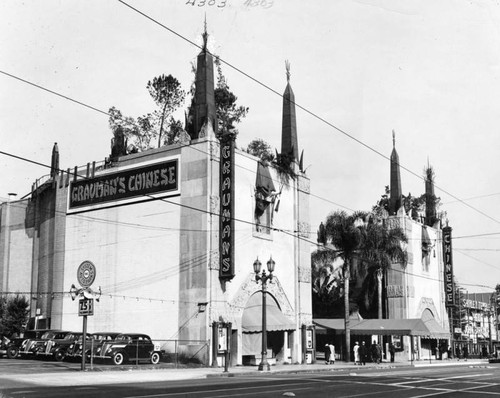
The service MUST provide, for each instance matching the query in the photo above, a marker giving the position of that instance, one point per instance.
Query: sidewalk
(144, 375)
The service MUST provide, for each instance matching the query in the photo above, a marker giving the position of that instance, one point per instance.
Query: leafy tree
(158, 125)
(326, 283)
(383, 204)
(344, 231)
(3, 314)
(15, 316)
(258, 147)
(228, 112)
(168, 95)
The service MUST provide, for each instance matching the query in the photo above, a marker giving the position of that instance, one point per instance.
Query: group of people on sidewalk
(362, 353)
(462, 352)
(329, 354)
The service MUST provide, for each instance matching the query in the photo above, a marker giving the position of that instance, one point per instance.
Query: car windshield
(49, 335)
(123, 338)
(102, 337)
(70, 336)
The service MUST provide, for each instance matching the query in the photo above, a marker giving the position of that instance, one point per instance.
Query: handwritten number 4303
(201, 3)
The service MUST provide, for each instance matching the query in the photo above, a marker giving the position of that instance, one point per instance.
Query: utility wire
(259, 83)
(294, 234)
(55, 93)
(311, 113)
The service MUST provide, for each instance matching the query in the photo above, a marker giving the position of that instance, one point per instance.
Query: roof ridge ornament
(393, 138)
(287, 66)
(205, 34)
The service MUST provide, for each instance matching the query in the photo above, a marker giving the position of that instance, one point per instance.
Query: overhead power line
(266, 87)
(54, 92)
(313, 114)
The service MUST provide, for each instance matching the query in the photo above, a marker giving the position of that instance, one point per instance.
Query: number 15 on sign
(86, 307)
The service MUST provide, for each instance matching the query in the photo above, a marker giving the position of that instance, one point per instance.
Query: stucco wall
(427, 282)
(16, 241)
(135, 249)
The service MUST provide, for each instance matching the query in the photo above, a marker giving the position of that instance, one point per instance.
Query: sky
(430, 71)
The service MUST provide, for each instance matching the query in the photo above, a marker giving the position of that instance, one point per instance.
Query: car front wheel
(155, 358)
(118, 358)
(12, 352)
(59, 355)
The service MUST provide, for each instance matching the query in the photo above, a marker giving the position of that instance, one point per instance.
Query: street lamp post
(263, 277)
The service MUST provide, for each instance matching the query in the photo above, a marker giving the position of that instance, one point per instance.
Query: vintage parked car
(13, 347)
(94, 340)
(30, 346)
(57, 346)
(129, 347)
(8, 348)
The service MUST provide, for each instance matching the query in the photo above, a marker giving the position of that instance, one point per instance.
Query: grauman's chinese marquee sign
(126, 185)
(226, 223)
(448, 268)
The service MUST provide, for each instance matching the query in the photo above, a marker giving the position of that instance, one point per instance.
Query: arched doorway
(278, 328)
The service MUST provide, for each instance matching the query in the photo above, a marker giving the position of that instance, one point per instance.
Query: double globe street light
(263, 277)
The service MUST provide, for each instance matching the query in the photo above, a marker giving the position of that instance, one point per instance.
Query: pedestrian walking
(332, 354)
(356, 354)
(327, 353)
(376, 353)
(392, 351)
(466, 352)
(458, 353)
(363, 352)
(484, 351)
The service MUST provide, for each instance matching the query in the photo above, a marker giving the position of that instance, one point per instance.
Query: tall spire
(289, 144)
(430, 197)
(396, 190)
(54, 164)
(205, 34)
(202, 118)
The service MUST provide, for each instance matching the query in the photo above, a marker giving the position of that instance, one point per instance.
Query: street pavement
(136, 374)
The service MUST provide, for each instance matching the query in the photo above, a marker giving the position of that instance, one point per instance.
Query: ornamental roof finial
(205, 34)
(287, 66)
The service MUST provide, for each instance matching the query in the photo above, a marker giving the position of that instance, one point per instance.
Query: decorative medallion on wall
(184, 138)
(214, 260)
(304, 229)
(214, 149)
(304, 184)
(214, 204)
(305, 274)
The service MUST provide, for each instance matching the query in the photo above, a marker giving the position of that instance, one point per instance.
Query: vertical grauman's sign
(126, 185)
(226, 223)
(449, 288)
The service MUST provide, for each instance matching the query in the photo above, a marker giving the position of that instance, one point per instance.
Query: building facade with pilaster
(173, 233)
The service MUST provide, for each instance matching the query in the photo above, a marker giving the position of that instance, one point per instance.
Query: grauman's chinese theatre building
(173, 233)
(420, 288)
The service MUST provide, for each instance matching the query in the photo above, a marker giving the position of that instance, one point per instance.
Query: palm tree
(326, 281)
(345, 233)
(381, 247)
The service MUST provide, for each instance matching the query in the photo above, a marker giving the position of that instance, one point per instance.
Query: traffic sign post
(86, 307)
(86, 275)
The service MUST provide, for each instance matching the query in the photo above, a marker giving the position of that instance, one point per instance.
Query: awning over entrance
(252, 315)
(407, 327)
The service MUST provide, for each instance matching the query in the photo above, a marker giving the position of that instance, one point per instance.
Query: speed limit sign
(86, 307)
